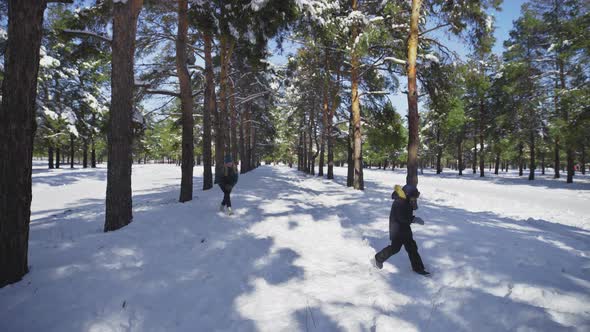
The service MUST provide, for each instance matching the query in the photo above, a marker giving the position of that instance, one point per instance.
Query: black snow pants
(226, 195)
(402, 236)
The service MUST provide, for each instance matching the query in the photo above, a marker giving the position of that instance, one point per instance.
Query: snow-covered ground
(506, 255)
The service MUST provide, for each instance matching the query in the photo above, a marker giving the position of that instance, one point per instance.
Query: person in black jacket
(226, 178)
(405, 201)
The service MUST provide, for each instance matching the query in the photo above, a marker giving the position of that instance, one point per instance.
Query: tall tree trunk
(543, 163)
(556, 159)
(57, 158)
(350, 161)
(335, 91)
(438, 152)
(481, 129)
(242, 145)
(186, 104)
(460, 156)
(226, 49)
(209, 110)
(474, 166)
(17, 129)
(233, 124)
(583, 159)
(413, 117)
(311, 139)
(358, 182)
(85, 153)
(92, 145)
(50, 157)
(247, 164)
(118, 201)
(497, 165)
(325, 111)
(520, 159)
(570, 164)
(71, 151)
(532, 165)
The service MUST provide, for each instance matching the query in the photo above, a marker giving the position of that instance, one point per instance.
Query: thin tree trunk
(358, 182)
(50, 157)
(85, 154)
(460, 156)
(556, 160)
(234, 124)
(520, 159)
(226, 49)
(413, 116)
(438, 153)
(543, 163)
(570, 164)
(209, 110)
(481, 132)
(474, 154)
(71, 151)
(17, 129)
(497, 165)
(57, 158)
(242, 145)
(186, 104)
(532, 161)
(118, 201)
(350, 161)
(583, 159)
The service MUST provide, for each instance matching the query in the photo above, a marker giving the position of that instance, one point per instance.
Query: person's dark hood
(407, 192)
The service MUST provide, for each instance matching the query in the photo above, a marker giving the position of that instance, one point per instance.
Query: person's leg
(227, 198)
(412, 249)
(390, 250)
(223, 202)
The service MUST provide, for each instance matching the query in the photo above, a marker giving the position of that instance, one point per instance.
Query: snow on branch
(81, 33)
(395, 60)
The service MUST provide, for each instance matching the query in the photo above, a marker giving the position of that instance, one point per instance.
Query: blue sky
(504, 18)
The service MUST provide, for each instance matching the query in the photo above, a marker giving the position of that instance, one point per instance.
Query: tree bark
(50, 157)
(118, 201)
(222, 134)
(413, 116)
(350, 161)
(234, 124)
(71, 151)
(556, 163)
(583, 159)
(85, 153)
(186, 104)
(460, 156)
(358, 182)
(520, 159)
(17, 130)
(57, 158)
(481, 132)
(532, 164)
(497, 165)
(438, 152)
(242, 145)
(209, 110)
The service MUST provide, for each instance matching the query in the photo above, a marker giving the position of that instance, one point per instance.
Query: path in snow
(506, 255)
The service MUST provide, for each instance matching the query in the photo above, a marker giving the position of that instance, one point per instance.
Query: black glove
(418, 220)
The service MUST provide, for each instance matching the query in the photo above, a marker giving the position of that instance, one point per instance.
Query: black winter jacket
(226, 176)
(400, 217)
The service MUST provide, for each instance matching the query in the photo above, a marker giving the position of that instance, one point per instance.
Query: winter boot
(229, 211)
(376, 263)
(221, 208)
(423, 272)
